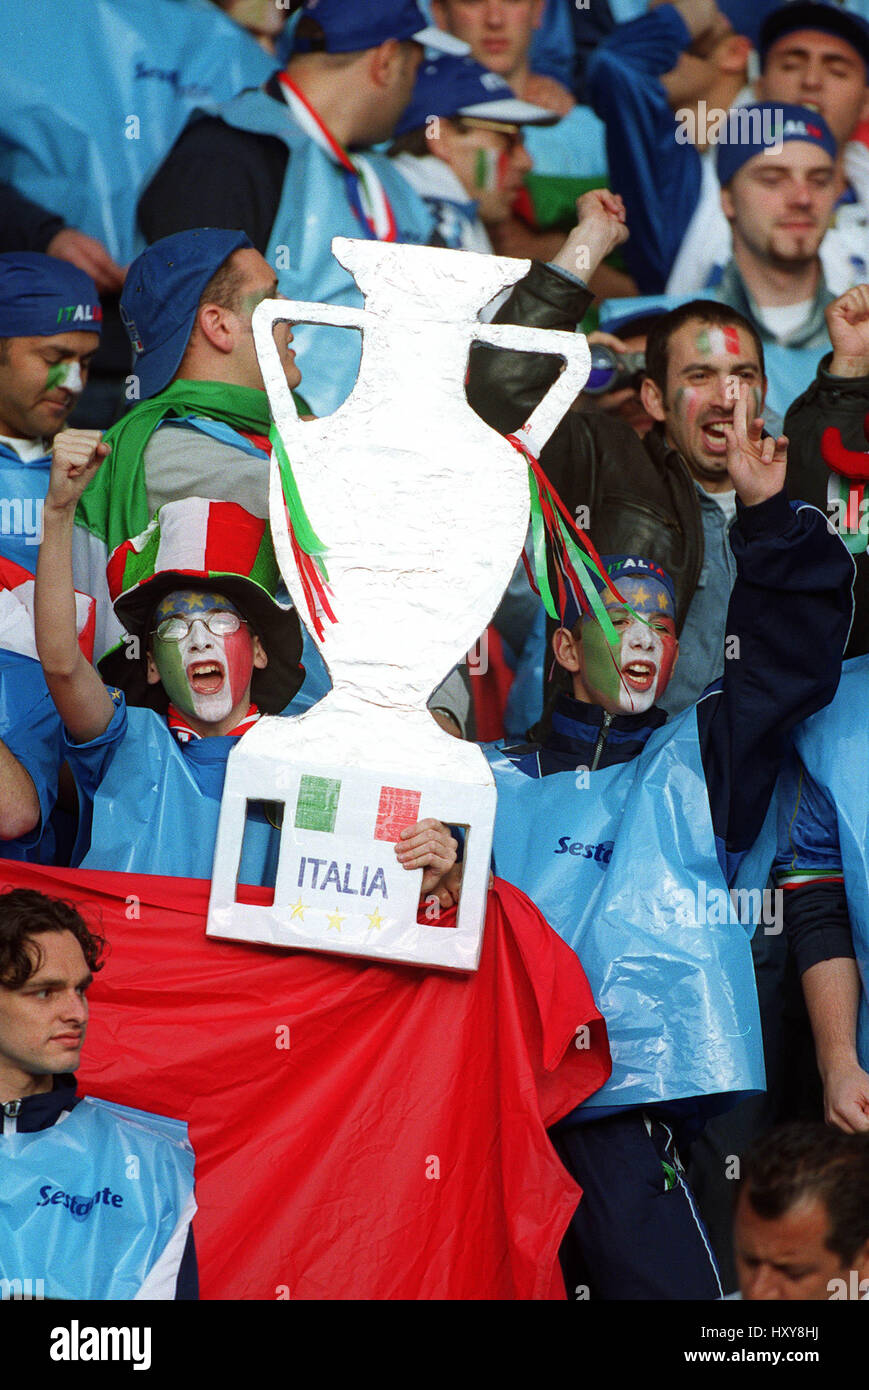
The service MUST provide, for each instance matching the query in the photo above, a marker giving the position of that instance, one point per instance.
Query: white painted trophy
(423, 511)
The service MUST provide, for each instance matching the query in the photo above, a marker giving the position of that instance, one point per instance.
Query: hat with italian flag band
(219, 547)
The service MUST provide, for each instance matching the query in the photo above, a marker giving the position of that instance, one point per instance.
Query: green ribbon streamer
(306, 537)
(582, 563)
(538, 539)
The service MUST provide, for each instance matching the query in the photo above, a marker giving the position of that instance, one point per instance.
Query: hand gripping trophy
(397, 523)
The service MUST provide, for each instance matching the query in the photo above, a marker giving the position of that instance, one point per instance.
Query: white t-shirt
(784, 319)
(727, 503)
(28, 450)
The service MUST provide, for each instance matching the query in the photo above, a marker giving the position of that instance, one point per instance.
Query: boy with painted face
(208, 648)
(629, 677)
(204, 655)
(629, 831)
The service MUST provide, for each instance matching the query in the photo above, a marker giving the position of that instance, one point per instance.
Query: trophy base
(338, 886)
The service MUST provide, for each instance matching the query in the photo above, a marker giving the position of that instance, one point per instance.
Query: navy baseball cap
(161, 295)
(813, 14)
(449, 86)
(348, 26)
(41, 295)
(767, 125)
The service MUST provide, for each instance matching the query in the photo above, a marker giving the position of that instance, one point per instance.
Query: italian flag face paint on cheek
(168, 660)
(238, 655)
(489, 166)
(600, 662)
(65, 374)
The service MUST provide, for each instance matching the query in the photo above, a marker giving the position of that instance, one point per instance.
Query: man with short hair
(662, 144)
(778, 200)
(50, 320)
(814, 54)
(79, 1219)
(499, 34)
(697, 360)
(281, 163)
(801, 1225)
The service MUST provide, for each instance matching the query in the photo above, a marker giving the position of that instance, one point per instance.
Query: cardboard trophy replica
(377, 517)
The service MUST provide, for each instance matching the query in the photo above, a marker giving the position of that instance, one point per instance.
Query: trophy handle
(265, 316)
(573, 347)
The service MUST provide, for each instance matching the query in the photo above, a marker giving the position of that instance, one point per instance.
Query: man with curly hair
(101, 1206)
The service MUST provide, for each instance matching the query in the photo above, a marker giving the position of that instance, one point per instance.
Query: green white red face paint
(710, 367)
(490, 168)
(204, 675)
(714, 340)
(638, 675)
(688, 403)
(66, 375)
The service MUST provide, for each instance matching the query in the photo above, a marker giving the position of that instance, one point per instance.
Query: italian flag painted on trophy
(317, 807)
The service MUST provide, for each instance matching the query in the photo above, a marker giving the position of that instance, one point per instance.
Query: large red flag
(361, 1131)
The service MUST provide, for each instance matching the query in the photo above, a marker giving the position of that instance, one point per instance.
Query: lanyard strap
(365, 192)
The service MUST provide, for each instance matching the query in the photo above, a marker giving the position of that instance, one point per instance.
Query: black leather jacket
(641, 499)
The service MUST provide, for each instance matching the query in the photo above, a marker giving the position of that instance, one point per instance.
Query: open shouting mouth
(640, 675)
(714, 437)
(205, 677)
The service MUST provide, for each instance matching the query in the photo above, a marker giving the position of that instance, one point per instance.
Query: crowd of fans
(691, 183)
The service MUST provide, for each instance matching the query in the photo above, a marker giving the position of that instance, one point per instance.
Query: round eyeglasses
(219, 624)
